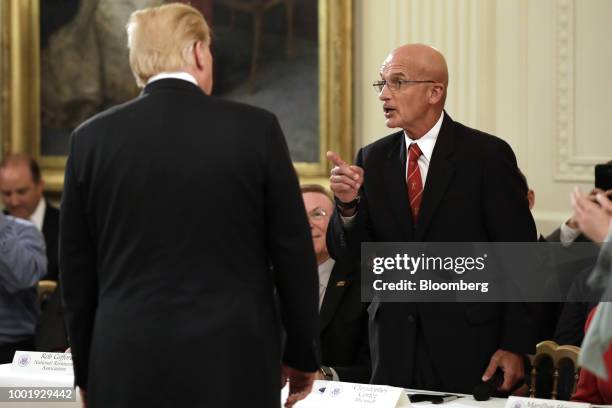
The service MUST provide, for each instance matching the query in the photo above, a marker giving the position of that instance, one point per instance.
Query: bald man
(435, 180)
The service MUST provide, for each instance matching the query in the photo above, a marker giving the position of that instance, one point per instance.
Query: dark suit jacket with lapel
(344, 326)
(472, 194)
(175, 205)
(50, 230)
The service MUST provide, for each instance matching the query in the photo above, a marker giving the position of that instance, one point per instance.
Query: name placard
(522, 402)
(341, 394)
(42, 363)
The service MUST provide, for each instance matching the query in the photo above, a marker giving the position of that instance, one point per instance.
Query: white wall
(536, 73)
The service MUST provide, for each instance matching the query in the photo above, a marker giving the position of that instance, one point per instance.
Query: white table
(465, 399)
(10, 378)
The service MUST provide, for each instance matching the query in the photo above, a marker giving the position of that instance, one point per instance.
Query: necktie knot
(414, 151)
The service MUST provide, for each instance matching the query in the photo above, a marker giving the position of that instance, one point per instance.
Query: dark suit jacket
(51, 331)
(50, 230)
(174, 206)
(568, 325)
(344, 326)
(472, 193)
(582, 298)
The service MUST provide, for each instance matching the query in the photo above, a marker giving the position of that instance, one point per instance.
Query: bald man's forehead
(397, 67)
(17, 166)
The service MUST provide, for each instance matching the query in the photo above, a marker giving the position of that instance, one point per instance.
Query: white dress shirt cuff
(567, 235)
(335, 374)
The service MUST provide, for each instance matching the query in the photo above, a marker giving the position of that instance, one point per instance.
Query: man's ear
(40, 186)
(198, 54)
(531, 198)
(437, 92)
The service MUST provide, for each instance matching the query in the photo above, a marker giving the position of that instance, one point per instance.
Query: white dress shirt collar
(325, 270)
(185, 76)
(428, 141)
(38, 216)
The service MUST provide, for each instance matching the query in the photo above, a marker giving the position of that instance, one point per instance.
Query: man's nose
(384, 94)
(12, 200)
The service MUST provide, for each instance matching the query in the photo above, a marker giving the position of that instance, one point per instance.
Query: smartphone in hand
(603, 176)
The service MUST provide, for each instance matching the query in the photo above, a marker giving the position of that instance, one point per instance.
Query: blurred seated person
(595, 220)
(22, 264)
(581, 297)
(345, 352)
(591, 388)
(22, 187)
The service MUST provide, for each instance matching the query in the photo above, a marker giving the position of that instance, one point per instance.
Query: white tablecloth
(9, 378)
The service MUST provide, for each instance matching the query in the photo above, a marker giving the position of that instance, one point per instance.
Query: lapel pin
(340, 283)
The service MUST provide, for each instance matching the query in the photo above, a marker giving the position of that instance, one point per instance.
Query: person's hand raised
(345, 180)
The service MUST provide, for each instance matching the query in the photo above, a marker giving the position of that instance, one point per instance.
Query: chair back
(45, 289)
(559, 361)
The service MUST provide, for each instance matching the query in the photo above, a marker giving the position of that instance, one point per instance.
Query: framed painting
(65, 61)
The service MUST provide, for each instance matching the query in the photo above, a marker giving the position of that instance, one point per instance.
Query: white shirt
(185, 76)
(567, 235)
(426, 143)
(38, 216)
(325, 270)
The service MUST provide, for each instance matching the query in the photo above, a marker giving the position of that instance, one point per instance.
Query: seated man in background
(22, 188)
(581, 297)
(22, 264)
(343, 318)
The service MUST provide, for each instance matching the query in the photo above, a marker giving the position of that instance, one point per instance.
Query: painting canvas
(291, 57)
(275, 68)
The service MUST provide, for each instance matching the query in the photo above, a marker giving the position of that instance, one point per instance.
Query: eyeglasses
(317, 214)
(395, 85)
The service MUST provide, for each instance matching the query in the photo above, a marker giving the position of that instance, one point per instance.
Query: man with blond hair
(176, 208)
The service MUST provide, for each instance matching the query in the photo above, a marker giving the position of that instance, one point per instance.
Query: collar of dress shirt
(428, 141)
(325, 270)
(185, 76)
(38, 216)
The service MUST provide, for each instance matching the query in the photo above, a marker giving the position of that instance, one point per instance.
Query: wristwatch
(328, 375)
(349, 205)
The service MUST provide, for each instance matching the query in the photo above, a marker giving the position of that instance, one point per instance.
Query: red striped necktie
(414, 182)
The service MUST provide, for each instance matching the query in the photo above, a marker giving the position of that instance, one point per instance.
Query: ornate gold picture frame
(21, 84)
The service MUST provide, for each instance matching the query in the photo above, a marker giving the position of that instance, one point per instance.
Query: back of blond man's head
(161, 39)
